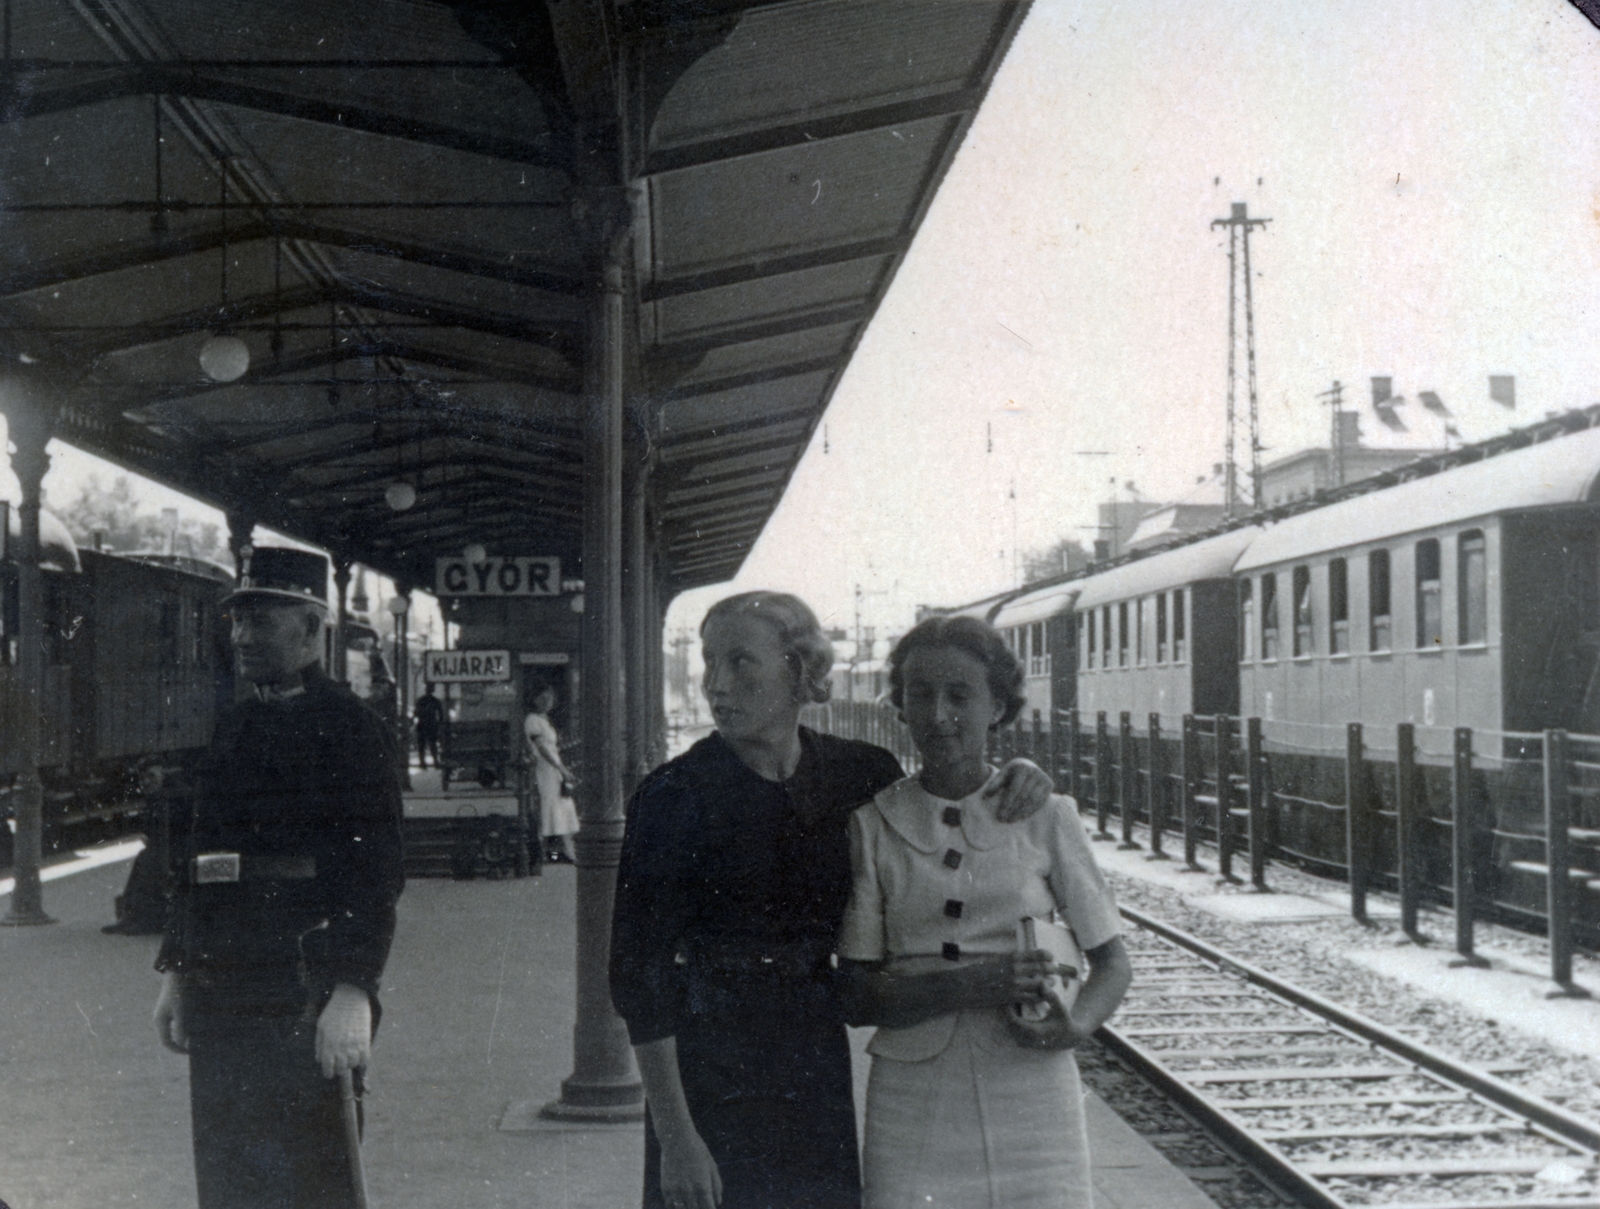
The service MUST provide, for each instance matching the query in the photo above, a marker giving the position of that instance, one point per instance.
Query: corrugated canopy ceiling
(397, 244)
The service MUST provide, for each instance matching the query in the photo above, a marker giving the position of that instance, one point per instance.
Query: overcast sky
(1431, 174)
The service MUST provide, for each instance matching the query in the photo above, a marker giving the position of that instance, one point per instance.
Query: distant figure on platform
(974, 1099)
(558, 816)
(429, 713)
(284, 908)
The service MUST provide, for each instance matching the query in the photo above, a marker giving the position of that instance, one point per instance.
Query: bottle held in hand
(1057, 940)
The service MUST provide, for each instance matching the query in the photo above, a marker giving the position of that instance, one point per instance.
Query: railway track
(1333, 1109)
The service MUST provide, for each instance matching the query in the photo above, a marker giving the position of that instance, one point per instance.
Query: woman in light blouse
(735, 869)
(968, 1103)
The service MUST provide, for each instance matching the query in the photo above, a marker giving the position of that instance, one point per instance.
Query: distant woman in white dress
(558, 814)
(970, 1105)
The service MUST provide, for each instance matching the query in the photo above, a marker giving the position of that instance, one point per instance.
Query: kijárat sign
(466, 667)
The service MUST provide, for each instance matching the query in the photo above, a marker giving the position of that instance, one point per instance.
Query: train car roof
(1041, 604)
(1561, 470)
(983, 610)
(1211, 558)
(57, 550)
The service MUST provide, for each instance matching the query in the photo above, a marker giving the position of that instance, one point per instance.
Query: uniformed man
(285, 907)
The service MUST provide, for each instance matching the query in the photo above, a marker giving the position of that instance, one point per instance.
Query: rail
(1322, 1099)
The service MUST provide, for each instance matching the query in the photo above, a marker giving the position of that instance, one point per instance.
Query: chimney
(169, 522)
(1102, 550)
(1503, 389)
(1382, 391)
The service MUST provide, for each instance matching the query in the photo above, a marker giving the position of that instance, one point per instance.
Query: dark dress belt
(803, 959)
(214, 867)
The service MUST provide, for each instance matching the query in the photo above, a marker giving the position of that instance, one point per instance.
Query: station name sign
(466, 667)
(497, 577)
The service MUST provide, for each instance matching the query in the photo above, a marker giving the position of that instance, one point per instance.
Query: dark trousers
(427, 740)
(268, 1128)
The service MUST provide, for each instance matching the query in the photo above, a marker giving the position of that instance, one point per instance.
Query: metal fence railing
(1496, 825)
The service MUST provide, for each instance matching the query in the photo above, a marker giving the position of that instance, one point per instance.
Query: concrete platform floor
(478, 1014)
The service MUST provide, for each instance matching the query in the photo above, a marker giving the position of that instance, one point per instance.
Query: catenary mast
(1239, 224)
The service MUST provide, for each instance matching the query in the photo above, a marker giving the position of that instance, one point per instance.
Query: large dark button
(952, 816)
(952, 952)
(952, 907)
(952, 859)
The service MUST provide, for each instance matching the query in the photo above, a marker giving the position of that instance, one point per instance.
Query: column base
(24, 919)
(597, 1102)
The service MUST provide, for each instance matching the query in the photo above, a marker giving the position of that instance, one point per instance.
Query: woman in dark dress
(735, 872)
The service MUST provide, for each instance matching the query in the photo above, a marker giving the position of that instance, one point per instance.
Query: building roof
(403, 205)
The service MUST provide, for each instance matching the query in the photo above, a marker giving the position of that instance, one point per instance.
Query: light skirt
(985, 1124)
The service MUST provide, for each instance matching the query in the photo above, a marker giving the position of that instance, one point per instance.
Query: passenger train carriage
(1467, 598)
(136, 666)
(1463, 591)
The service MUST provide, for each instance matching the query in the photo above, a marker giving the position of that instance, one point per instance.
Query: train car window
(1122, 634)
(1304, 640)
(1269, 616)
(1086, 639)
(1338, 607)
(1472, 588)
(1138, 631)
(1105, 636)
(1161, 628)
(1039, 652)
(1380, 635)
(1430, 611)
(1179, 627)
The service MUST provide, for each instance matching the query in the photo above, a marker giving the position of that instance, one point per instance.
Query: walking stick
(352, 1137)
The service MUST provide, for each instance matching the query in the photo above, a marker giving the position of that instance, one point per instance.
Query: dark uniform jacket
(306, 790)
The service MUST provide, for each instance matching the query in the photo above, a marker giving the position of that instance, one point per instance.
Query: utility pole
(1239, 225)
(1335, 398)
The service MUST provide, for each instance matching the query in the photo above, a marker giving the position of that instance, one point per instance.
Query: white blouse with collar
(936, 881)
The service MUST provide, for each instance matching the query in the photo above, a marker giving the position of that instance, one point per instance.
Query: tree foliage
(125, 527)
(1064, 556)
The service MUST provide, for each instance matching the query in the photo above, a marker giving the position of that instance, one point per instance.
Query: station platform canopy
(394, 210)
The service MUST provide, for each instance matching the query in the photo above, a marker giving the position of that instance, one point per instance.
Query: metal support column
(642, 635)
(1256, 783)
(1357, 822)
(1127, 779)
(1189, 764)
(1156, 791)
(1102, 775)
(604, 1084)
(1225, 833)
(1074, 758)
(1558, 860)
(29, 426)
(340, 670)
(1405, 809)
(1463, 825)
